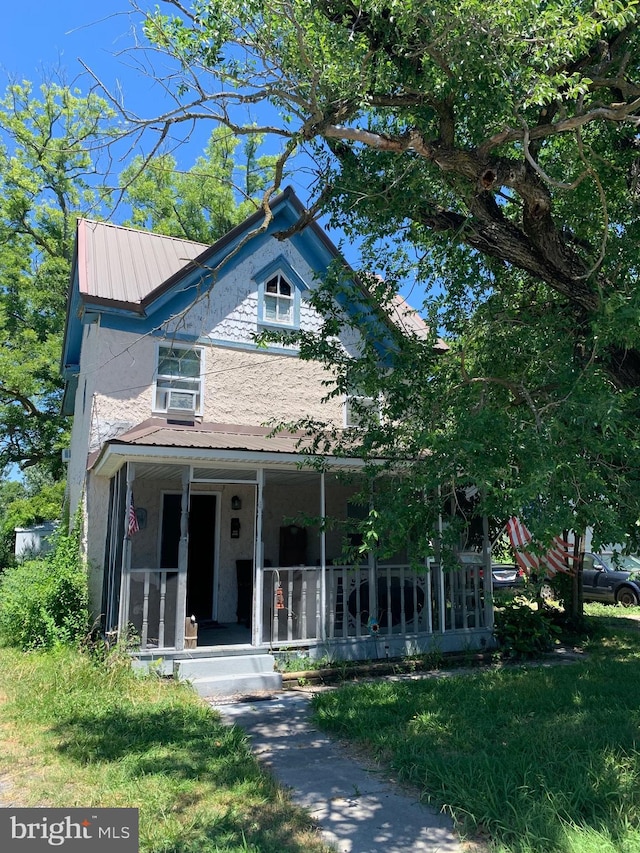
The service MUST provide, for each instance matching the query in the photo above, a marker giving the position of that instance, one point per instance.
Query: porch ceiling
(147, 471)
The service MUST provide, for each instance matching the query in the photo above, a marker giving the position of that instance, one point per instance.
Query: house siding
(242, 385)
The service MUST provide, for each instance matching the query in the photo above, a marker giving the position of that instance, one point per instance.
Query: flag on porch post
(132, 526)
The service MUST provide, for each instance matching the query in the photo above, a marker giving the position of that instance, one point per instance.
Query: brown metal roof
(158, 432)
(124, 265)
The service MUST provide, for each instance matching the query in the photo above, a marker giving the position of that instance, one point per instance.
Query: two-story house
(189, 502)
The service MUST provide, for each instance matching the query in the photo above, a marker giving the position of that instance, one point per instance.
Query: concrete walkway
(357, 808)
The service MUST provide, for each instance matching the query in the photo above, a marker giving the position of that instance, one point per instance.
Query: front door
(201, 554)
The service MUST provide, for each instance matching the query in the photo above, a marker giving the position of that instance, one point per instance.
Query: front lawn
(75, 733)
(541, 758)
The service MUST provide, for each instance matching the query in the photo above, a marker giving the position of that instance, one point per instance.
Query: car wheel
(546, 592)
(627, 597)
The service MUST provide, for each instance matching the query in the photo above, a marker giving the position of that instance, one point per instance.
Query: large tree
(490, 133)
(499, 142)
(56, 148)
(48, 177)
(201, 204)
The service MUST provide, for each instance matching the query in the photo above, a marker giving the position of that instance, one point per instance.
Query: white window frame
(352, 420)
(280, 270)
(186, 384)
(284, 304)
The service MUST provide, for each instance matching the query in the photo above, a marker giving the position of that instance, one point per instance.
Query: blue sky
(41, 38)
(41, 35)
(38, 37)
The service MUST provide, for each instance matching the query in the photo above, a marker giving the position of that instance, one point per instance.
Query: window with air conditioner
(178, 387)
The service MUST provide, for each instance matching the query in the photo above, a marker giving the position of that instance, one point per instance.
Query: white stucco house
(189, 502)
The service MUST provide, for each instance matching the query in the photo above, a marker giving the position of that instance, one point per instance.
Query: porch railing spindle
(389, 609)
(303, 608)
(145, 612)
(290, 605)
(275, 628)
(162, 582)
(318, 630)
(333, 603)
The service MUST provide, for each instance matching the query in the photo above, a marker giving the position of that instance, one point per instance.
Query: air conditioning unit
(181, 404)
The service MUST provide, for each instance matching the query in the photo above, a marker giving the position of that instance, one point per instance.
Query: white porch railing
(360, 601)
(392, 599)
(292, 604)
(151, 611)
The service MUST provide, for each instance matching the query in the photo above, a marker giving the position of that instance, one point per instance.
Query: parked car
(506, 575)
(618, 583)
(626, 562)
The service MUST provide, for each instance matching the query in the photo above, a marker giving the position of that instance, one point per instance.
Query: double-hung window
(360, 408)
(279, 295)
(179, 379)
(278, 301)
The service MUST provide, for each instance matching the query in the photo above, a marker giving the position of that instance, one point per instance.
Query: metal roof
(410, 322)
(158, 432)
(124, 265)
(160, 441)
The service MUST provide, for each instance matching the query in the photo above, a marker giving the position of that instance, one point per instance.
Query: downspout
(323, 560)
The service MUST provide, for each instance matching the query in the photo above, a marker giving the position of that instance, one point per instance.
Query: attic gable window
(179, 379)
(278, 301)
(279, 293)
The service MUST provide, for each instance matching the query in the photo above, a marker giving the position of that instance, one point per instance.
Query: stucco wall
(243, 384)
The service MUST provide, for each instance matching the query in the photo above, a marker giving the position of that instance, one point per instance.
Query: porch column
(440, 578)
(323, 560)
(125, 576)
(258, 560)
(183, 552)
(487, 579)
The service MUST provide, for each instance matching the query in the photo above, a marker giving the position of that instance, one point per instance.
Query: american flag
(520, 537)
(557, 559)
(132, 526)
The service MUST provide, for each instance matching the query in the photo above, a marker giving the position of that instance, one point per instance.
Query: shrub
(523, 631)
(44, 602)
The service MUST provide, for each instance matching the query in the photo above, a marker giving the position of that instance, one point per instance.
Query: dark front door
(202, 544)
(201, 554)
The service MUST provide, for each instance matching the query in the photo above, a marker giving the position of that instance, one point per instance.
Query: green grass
(543, 758)
(74, 733)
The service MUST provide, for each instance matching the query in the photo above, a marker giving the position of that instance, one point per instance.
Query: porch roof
(159, 438)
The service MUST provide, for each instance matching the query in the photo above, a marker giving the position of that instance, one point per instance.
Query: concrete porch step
(238, 675)
(221, 686)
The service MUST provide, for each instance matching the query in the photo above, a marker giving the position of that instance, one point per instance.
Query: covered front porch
(233, 551)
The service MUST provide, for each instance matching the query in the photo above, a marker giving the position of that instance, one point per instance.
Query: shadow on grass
(524, 754)
(180, 742)
(214, 792)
